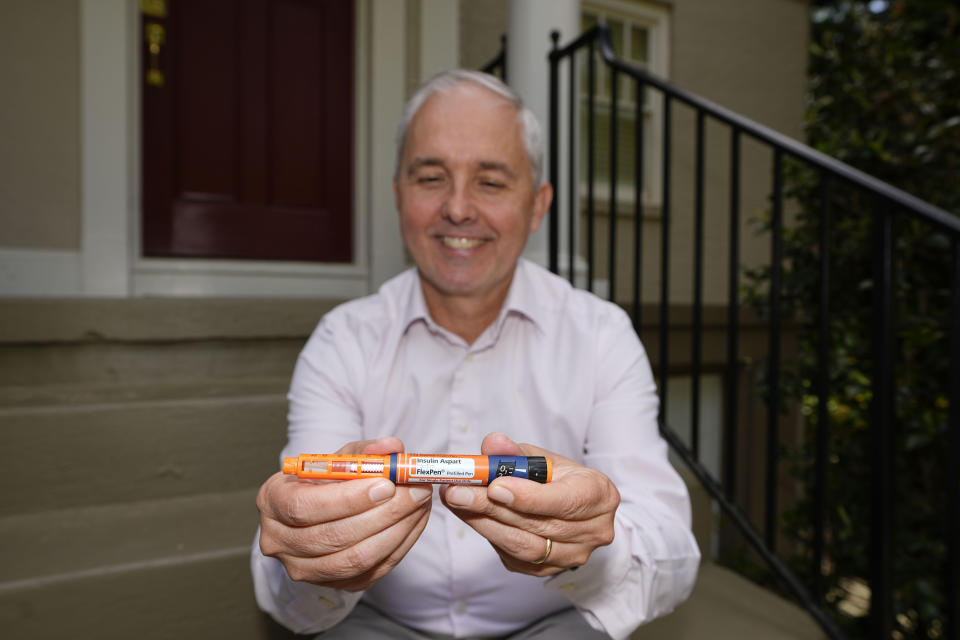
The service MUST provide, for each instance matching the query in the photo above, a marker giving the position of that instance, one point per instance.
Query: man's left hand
(574, 511)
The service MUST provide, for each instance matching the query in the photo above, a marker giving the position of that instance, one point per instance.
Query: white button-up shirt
(559, 368)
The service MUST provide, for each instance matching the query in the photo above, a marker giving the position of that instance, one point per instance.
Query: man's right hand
(341, 534)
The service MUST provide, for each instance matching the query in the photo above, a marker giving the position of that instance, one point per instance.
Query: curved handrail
(928, 212)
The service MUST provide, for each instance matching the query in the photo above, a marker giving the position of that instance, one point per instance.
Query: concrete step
(62, 545)
(146, 361)
(209, 597)
(173, 568)
(65, 446)
(151, 339)
(93, 393)
(727, 606)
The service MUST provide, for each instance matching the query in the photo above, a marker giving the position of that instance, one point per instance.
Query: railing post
(503, 57)
(953, 452)
(823, 392)
(773, 360)
(612, 221)
(881, 430)
(591, 108)
(638, 206)
(665, 261)
(732, 381)
(553, 224)
(573, 205)
(697, 290)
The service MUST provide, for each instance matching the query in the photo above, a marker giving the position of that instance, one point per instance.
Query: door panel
(248, 146)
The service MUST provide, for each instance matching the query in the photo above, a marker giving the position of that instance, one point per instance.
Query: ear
(541, 205)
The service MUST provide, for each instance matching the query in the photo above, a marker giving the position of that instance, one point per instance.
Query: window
(638, 31)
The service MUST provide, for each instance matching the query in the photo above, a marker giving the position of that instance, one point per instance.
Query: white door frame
(110, 260)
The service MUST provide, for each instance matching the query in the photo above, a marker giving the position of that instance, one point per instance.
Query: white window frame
(655, 19)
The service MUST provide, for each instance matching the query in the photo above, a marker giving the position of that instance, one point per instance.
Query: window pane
(588, 20)
(626, 158)
(638, 45)
(616, 34)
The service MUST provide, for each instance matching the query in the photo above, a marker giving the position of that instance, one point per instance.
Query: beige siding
(482, 22)
(749, 56)
(39, 125)
(412, 27)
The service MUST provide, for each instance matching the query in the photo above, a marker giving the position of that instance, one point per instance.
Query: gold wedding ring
(546, 554)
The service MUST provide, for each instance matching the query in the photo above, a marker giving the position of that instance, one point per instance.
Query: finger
(595, 532)
(521, 550)
(299, 503)
(365, 580)
(581, 495)
(361, 559)
(576, 492)
(331, 537)
(379, 446)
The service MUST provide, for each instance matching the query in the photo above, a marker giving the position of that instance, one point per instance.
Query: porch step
(69, 446)
(169, 568)
(146, 362)
(727, 606)
(133, 437)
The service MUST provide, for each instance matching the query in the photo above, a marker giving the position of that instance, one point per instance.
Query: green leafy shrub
(885, 98)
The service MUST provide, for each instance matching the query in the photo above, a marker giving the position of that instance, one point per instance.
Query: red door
(248, 129)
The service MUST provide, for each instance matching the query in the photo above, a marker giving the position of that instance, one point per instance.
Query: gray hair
(447, 80)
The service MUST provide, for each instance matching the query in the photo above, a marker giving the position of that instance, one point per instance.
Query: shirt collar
(522, 299)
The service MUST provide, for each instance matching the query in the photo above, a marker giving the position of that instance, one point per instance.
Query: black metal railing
(498, 65)
(892, 206)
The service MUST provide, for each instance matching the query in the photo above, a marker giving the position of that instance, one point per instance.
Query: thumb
(498, 444)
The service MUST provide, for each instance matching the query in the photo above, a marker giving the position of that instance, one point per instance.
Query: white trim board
(30, 273)
(235, 278)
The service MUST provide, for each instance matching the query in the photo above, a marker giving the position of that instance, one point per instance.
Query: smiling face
(466, 197)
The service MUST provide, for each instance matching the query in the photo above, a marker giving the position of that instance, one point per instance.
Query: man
(475, 340)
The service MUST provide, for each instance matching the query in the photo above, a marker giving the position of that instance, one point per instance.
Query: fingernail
(500, 494)
(381, 491)
(420, 494)
(459, 496)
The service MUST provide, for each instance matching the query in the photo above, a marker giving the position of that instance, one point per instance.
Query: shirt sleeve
(651, 566)
(324, 415)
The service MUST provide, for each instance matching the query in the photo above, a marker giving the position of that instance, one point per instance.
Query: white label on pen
(439, 467)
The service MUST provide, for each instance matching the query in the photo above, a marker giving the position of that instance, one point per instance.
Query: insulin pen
(411, 468)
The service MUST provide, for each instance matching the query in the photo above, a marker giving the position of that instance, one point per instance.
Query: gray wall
(39, 124)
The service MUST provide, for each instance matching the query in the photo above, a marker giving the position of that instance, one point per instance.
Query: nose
(458, 207)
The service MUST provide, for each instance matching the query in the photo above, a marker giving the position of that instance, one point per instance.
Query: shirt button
(567, 588)
(464, 427)
(461, 606)
(461, 532)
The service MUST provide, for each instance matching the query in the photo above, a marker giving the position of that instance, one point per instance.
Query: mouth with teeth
(455, 242)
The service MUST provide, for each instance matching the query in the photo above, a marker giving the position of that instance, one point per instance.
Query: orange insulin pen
(412, 468)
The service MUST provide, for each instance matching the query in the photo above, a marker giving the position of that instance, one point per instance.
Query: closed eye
(429, 179)
(491, 182)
